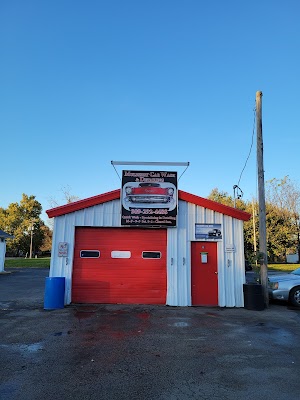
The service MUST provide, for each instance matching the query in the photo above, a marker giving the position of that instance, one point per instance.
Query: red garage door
(113, 265)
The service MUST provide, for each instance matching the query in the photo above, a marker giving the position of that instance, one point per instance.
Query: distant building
(3, 237)
(292, 258)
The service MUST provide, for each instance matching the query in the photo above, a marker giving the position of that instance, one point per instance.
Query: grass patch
(280, 267)
(27, 262)
(283, 267)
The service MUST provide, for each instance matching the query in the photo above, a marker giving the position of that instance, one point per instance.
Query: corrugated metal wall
(231, 270)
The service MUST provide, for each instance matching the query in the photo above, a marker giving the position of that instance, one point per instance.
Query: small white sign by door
(62, 249)
(230, 248)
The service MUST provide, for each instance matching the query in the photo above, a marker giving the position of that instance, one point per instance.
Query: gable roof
(4, 235)
(115, 195)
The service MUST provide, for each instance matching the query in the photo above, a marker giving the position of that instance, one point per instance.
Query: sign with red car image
(149, 198)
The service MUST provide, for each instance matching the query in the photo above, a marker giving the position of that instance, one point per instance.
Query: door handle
(216, 272)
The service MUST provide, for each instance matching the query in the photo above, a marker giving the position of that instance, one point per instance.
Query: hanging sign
(149, 198)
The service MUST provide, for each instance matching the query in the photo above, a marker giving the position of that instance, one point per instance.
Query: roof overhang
(115, 195)
(4, 235)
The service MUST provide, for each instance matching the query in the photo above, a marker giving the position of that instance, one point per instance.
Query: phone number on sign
(149, 211)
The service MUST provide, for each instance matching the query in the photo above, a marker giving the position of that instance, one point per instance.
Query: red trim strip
(213, 205)
(115, 195)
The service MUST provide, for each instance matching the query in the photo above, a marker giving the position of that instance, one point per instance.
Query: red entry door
(204, 274)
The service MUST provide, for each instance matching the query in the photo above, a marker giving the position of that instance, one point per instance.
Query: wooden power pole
(261, 201)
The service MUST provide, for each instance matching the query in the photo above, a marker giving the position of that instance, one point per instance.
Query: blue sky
(86, 82)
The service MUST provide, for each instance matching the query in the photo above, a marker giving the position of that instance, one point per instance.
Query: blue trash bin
(54, 293)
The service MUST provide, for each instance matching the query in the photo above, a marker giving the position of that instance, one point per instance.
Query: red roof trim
(115, 195)
(213, 205)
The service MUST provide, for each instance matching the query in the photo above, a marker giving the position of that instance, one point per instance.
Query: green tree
(226, 199)
(23, 220)
(47, 243)
(279, 239)
(280, 224)
(285, 194)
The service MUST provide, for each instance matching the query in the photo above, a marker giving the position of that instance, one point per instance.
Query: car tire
(294, 296)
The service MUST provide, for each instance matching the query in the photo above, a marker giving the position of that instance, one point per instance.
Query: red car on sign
(146, 193)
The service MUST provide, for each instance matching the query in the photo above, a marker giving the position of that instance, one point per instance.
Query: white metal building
(3, 237)
(198, 262)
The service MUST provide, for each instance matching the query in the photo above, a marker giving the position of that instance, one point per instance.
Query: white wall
(2, 254)
(231, 275)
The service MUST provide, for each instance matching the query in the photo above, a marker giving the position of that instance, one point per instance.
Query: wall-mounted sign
(149, 198)
(208, 232)
(204, 257)
(62, 249)
(230, 248)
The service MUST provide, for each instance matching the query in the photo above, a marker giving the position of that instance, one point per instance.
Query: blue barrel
(54, 293)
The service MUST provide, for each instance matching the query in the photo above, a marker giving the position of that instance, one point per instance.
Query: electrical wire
(253, 131)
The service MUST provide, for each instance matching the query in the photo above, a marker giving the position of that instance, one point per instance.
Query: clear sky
(86, 82)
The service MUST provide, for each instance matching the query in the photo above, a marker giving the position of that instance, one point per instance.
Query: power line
(237, 191)
(252, 140)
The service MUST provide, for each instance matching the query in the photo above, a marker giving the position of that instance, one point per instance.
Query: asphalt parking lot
(142, 352)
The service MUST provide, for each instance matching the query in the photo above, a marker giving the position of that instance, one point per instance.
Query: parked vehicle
(285, 287)
(214, 232)
(149, 193)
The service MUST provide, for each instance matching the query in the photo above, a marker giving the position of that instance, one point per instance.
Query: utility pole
(261, 201)
(31, 235)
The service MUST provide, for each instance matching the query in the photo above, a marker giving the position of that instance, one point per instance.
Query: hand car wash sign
(149, 198)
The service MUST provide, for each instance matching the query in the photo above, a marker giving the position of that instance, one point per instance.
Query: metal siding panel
(221, 263)
(172, 276)
(209, 216)
(60, 266)
(98, 215)
(89, 214)
(108, 214)
(178, 293)
(222, 268)
(182, 266)
(239, 263)
(231, 278)
(58, 234)
(229, 273)
(116, 221)
(79, 217)
(2, 255)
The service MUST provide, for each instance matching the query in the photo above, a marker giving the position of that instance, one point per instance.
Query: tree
(23, 220)
(47, 242)
(282, 224)
(67, 197)
(285, 194)
(279, 225)
(226, 199)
